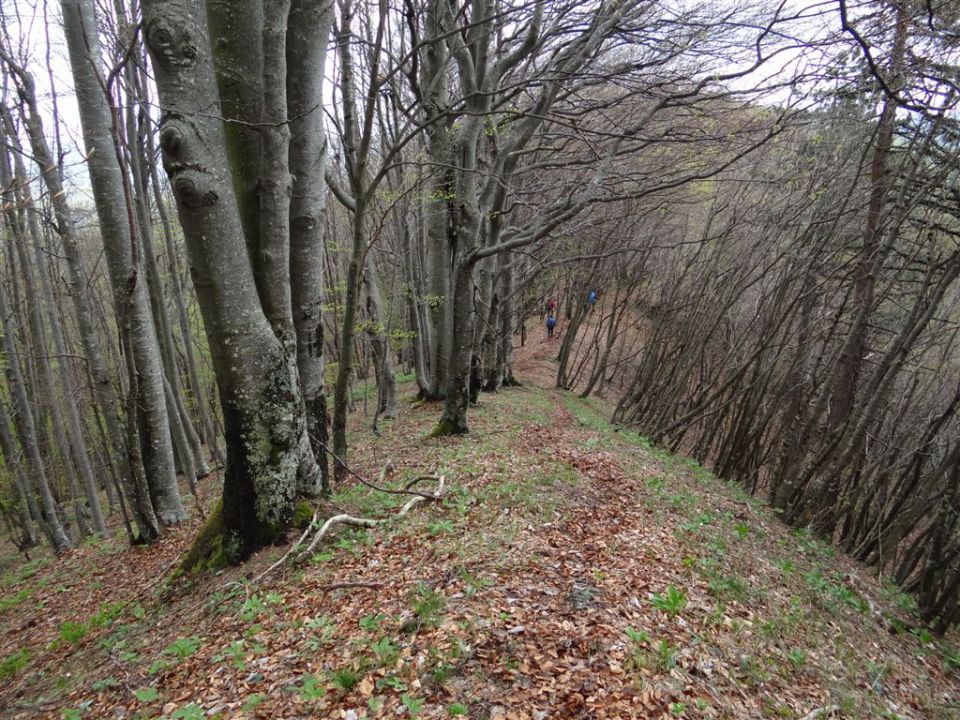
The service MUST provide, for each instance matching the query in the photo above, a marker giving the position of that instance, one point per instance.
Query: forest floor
(571, 571)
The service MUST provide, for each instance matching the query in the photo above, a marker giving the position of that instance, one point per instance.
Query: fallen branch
(338, 520)
(344, 519)
(348, 585)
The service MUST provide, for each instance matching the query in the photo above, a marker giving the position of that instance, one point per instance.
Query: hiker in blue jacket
(551, 324)
(592, 297)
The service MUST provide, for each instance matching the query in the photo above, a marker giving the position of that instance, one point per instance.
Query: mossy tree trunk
(268, 450)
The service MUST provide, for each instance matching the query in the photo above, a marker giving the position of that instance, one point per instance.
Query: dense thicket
(747, 216)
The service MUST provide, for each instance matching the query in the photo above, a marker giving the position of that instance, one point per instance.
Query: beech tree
(238, 241)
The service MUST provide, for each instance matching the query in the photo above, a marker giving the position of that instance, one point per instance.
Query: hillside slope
(571, 571)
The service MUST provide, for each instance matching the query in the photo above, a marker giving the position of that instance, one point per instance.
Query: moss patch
(206, 551)
(302, 514)
(446, 427)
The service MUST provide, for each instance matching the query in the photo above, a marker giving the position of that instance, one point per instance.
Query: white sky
(24, 21)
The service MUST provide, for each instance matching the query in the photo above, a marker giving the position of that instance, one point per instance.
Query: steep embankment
(571, 572)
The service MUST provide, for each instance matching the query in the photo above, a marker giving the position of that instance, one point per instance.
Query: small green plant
(233, 652)
(413, 705)
(786, 566)
(797, 658)
(189, 712)
(311, 688)
(457, 710)
(392, 683)
(14, 663)
(742, 530)
(677, 708)
(104, 684)
(665, 656)
(440, 526)
(385, 651)
(158, 666)
(427, 604)
(816, 581)
(345, 678)
(728, 588)
(951, 658)
(73, 632)
(371, 622)
(252, 607)
(184, 647)
(252, 701)
(472, 583)
(637, 637)
(15, 599)
(672, 602)
(146, 694)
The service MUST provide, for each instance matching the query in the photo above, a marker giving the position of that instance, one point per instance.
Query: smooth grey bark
(28, 432)
(171, 252)
(485, 334)
(308, 31)
(438, 195)
(179, 299)
(180, 442)
(236, 32)
(77, 287)
(419, 323)
(264, 417)
(507, 311)
(181, 424)
(120, 244)
(272, 263)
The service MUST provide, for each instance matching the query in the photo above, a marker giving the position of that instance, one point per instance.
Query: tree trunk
(264, 418)
(27, 506)
(28, 433)
(380, 343)
(120, 244)
(308, 30)
(454, 418)
(183, 434)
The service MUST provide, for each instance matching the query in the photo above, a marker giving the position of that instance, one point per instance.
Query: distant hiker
(592, 297)
(551, 324)
(551, 307)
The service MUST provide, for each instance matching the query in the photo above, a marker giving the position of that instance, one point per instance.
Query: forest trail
(572, 571)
